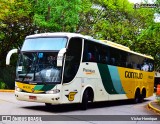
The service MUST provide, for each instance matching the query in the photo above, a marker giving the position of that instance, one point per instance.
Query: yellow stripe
(27, 87)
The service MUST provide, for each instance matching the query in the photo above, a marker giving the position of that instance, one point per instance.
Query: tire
(143, 95)
(85, 99)
(136, 98)
(48, 105)
(141, 99)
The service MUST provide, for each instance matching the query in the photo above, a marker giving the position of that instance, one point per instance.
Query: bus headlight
(53, 91)
(18, 89)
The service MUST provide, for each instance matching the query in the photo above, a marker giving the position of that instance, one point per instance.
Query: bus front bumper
(41, 98)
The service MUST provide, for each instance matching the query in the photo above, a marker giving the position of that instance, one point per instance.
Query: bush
(7, 75)
(3, 85)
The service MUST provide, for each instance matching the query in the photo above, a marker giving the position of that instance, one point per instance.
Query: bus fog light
(53, 91)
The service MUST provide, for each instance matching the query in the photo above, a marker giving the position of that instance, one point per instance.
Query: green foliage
(114, 20)
(15, 23)
(55, 15)
(7, 75)
(2, 85)
(150, 40)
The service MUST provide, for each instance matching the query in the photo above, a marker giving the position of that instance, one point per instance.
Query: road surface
(101, 112)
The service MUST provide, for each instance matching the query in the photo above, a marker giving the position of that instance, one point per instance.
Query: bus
(64, 68)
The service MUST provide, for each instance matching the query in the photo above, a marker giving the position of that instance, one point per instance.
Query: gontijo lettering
(136, 75)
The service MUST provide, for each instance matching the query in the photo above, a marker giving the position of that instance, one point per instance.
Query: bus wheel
(85, 100)
(141, 98)
(143, 95)
(48, 105)
(137, 97)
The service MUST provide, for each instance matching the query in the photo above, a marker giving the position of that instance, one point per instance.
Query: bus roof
(105, 42)
(124, 48)
(64, 34)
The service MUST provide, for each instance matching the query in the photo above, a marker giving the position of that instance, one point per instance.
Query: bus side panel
(91, 77)
(71, 92)
(132, 79)
(111, 82)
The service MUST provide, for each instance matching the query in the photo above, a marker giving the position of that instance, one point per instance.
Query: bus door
(71, 83)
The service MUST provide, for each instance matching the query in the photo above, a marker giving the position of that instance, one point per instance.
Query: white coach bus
(64, 68)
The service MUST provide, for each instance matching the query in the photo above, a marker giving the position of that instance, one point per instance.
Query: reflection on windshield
(39, 67)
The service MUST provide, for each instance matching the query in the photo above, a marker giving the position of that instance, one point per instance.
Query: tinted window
(99, 53)
(73, 57)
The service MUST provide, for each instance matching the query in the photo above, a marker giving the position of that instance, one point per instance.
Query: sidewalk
(154, 106)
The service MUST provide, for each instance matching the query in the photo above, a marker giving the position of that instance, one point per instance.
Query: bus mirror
(9, 55)
(60, 57)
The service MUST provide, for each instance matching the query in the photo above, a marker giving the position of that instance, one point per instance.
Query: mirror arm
(60, 56)
(9, 55)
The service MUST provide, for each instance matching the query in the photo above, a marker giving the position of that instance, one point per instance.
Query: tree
(15, 24)
(149, 42)
(119, 22)
(55, 15)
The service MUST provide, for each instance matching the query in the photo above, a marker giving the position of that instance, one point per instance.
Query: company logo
(88, 71)
(135, 75)
(71, 96)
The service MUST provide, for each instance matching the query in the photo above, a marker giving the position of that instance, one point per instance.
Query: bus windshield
(44, 43)
(38, 67)
(38, 60)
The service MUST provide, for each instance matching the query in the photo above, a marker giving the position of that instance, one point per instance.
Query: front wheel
(85, 99)
(48, 105)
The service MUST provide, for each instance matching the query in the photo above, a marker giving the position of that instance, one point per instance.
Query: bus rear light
(53, 91)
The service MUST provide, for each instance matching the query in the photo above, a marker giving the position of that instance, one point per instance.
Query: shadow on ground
(75, 107)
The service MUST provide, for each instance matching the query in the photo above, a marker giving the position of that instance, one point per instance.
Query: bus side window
(138, 66)
(91, 57)
(145, 66)
(113, 61)
(103, 55)
(73, 57)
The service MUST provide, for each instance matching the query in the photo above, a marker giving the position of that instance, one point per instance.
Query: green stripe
(38, 87)
(47, 87)
(116, 79)
(106, 79)
(44, 87)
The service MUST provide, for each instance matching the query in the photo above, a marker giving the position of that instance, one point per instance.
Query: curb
(153, 108)
(4, 90)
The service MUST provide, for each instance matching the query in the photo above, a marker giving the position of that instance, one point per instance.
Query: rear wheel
(143, 95)
(137, 97)
(141, 99)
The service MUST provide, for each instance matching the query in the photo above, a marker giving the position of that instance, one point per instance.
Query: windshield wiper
(29, 67)
(28, 70)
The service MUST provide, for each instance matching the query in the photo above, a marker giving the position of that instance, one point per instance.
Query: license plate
(33, 97)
